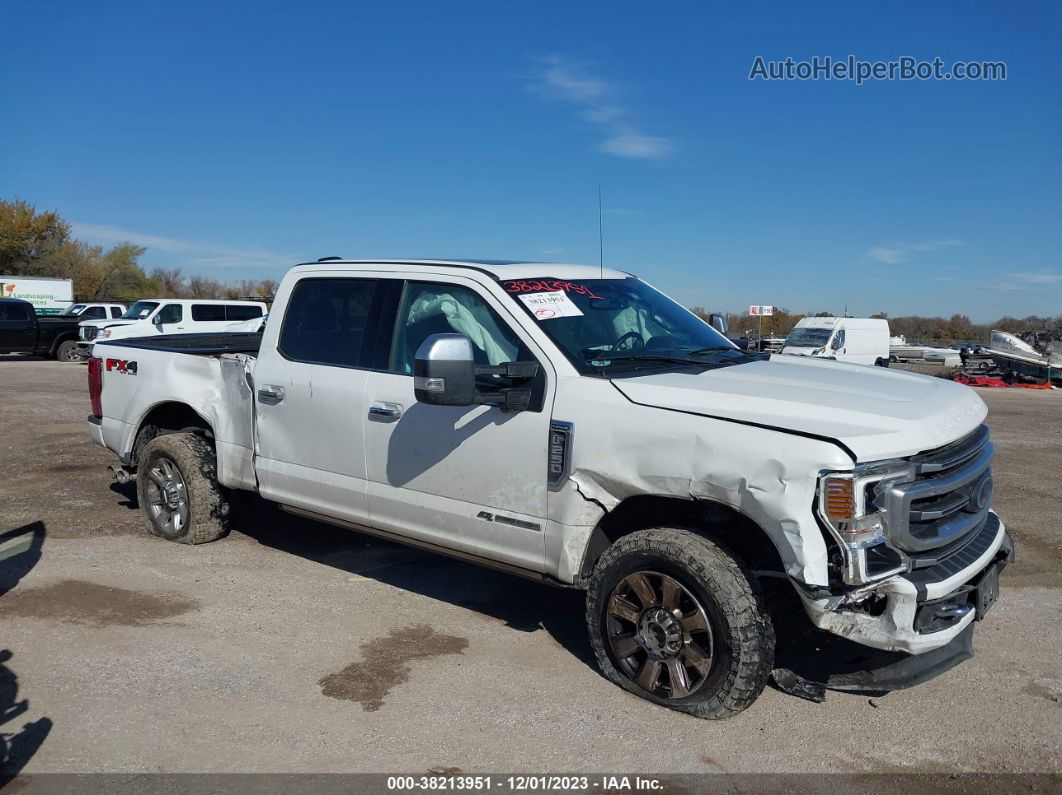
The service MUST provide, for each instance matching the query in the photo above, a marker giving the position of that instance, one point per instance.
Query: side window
(242, 312)
(116, 311)
(11, 312)
(94, 313)
(208, 313)
(326, 321)
(448, 309)
(171, 313)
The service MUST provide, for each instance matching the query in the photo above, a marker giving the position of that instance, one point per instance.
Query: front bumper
(84, 349)
(900, 624)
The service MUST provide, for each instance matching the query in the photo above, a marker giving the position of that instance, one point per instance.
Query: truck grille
(89, 332)
(948, 500)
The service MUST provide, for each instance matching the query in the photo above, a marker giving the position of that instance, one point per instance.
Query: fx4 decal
(121, 366)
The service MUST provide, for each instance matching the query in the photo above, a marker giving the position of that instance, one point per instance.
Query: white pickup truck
(575, 425)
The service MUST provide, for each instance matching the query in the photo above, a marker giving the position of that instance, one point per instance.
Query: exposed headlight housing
(847, 506)
(104, 333)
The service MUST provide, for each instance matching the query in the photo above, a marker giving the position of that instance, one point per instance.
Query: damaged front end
(917, 548)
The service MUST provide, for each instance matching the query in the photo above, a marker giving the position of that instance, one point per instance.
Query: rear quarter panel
(138, 380)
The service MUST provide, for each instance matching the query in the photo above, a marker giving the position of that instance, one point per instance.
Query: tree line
(34, 243)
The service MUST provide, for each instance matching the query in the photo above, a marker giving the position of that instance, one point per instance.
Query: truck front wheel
(178, 489)
(67, 351)
(677, 620)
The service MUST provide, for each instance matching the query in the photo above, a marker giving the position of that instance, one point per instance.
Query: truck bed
(197, 344)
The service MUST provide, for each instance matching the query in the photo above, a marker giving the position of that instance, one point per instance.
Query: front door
(310, 398)
(470, 478)
(170, 319)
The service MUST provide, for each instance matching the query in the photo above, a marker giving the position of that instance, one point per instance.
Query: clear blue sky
(236, 138)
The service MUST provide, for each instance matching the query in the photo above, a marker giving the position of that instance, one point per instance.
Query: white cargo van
(856, 340)
(155, 317)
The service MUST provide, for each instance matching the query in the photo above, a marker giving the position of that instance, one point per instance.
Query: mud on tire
(178, 489)
(686, 575)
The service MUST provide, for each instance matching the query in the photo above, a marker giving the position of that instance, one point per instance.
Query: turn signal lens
(839, 498)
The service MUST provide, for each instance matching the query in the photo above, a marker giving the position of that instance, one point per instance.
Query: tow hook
(120, 474)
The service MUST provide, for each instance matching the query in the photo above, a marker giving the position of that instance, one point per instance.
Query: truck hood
(104, 323)
(875, 412)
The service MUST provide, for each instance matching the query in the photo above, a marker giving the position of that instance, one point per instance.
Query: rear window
(208, 313)
(15, 311)
(242, 312)
(214, 313)
(326, 321)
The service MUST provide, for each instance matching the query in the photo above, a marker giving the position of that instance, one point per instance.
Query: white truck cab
(574, 425)
(855, 340)
(169, 316)
(95, 311)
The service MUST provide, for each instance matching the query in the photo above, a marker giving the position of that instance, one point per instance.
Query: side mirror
(445, 372)
(157, 320)
(718, 322)
(837, 342)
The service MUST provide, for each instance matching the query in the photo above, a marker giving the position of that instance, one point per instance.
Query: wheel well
(168, 418)
(61, 338)
(716, 521)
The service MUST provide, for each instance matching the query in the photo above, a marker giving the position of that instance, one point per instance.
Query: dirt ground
(296, 647)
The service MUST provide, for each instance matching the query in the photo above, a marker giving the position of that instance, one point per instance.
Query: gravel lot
(293, 646)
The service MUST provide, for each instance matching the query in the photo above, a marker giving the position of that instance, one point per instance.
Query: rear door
(18, 327)
(310, 395)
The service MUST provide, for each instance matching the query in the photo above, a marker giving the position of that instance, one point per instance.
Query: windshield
(74, 309)
(140, 310)
(808, 337)
(607, 325)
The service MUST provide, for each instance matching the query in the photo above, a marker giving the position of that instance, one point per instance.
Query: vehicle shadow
(20, 550)
(22, 357)
(128, 492)
(522, 605)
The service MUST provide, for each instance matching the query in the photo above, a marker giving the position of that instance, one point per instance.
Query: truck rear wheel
(677, 620)
(178, 489)
(67, 351)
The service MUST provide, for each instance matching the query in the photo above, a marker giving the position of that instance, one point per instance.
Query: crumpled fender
(622, 450)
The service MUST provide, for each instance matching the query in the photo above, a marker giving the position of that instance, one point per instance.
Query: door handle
(388, 411)
(271, 395)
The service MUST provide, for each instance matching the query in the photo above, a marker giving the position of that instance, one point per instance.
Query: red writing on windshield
(543, 285)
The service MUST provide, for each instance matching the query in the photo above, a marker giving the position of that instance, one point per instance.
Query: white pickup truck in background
(574, 425)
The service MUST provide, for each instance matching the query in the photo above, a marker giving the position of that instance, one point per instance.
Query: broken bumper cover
(903, 624)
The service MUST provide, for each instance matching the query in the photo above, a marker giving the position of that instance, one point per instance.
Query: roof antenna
(600, 235)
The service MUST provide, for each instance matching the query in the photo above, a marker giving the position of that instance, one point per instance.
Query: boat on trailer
(1034, 354)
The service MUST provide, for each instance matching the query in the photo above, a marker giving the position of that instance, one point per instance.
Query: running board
(467, 557)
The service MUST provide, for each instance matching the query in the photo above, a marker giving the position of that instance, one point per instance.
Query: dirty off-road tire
(677, 620)
(178, 489)
(67, 352)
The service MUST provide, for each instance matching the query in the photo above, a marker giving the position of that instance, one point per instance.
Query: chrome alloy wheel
(659, 634)
(167, 497)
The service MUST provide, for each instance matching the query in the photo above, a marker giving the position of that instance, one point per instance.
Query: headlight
(104, 334)
(848, 506)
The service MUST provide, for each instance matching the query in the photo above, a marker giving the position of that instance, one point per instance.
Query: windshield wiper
(714, 349)
(641, 357)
